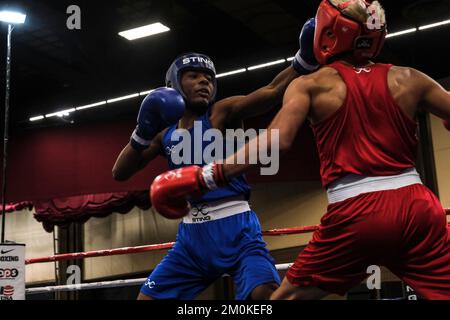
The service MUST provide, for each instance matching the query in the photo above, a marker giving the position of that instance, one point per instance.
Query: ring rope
(100, 253)
(127, 250)
(154, 247)
(108, 284)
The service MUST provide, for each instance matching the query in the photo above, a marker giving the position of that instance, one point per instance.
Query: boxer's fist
(170, 191)
(305, 62)
(447, 124)
(163, 107)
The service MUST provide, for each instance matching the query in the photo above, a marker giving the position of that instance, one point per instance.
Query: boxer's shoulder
(322, 76)
(324, 79)
(407, 75)
(407, 80)
(401, 74)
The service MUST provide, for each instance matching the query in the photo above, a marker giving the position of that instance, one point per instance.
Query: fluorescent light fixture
(36, 118)
(130, 96)
(399, 33)
(12, 16)
(92, 105)
(433, 25)
(268, 64)
(60, 113)
(144, 31)
(144, 93)
(155, 26)
(229, 73)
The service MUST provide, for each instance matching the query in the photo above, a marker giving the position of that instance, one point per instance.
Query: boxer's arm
(287, 122)
(271, 95)
(434, 98)
(258, 102)
(131, 161)
(170, 191)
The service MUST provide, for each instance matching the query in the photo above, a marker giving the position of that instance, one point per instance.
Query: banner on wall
(12, 271)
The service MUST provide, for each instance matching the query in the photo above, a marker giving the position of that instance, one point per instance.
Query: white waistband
(205, 212)
(353, 185)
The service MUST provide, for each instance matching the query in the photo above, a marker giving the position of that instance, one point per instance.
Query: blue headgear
(190, 61)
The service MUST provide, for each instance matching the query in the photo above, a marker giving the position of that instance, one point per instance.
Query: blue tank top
(238, 186)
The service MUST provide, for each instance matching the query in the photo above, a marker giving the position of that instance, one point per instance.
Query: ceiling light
(268, 64)
(134, 95)
(12, 17)
(433, 25)
(399, 33)
(144, 31)
(229, 73)
(61, 113)
(36, 118)
(144, 93)
(92, 105)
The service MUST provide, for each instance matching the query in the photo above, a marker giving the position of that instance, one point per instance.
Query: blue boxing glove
(304, 61)
(162, 107)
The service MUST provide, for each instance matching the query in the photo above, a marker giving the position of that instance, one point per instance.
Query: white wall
(21, 227)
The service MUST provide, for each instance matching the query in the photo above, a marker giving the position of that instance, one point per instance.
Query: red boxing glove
(170, 191)
(447, 124)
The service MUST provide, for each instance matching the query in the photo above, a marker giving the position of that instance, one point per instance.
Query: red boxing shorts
(403, 229)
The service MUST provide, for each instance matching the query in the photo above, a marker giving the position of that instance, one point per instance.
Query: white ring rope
(108, 284)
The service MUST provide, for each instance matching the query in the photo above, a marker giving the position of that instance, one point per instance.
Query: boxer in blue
(221, 234)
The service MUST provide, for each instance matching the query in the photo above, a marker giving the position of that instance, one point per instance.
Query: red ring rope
(295, 230)
(100, 253)
(153, 247)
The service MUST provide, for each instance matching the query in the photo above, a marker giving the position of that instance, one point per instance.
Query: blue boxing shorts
(205, 251)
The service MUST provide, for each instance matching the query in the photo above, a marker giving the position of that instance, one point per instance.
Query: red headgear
(337, 32)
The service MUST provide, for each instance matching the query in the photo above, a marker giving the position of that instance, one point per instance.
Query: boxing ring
(140, 249)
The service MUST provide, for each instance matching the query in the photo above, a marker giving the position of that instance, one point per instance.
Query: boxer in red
(363, 117)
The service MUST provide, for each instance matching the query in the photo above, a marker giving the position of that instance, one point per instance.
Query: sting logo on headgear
(190, 61)
(344, 26)
(198, 59)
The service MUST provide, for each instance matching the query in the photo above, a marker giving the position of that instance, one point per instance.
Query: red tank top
(369, 135)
